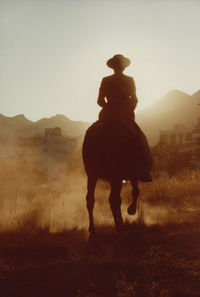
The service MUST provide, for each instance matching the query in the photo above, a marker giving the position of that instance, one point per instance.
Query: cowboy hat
(118, 61)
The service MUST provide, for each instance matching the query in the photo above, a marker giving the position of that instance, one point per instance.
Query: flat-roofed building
(51, 150)
(181, 138)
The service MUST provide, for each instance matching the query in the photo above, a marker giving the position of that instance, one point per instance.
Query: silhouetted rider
(117, 93)
(117, 97)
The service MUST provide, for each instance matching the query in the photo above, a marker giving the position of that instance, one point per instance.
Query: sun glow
(55, 64)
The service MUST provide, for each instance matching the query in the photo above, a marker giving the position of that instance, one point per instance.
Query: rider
(117, 97)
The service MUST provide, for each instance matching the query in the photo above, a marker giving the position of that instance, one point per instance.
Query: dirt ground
(143, 261)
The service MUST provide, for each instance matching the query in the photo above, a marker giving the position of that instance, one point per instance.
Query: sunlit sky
(53, 53)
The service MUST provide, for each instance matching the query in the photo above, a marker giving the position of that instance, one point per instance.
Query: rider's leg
(145, 156)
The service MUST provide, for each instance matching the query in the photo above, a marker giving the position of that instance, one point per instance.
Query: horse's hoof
(132, 208)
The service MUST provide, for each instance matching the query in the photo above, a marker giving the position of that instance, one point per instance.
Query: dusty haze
(30, 200)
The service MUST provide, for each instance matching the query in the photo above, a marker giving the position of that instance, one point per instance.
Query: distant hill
(12, 123)
(69, 127)
(175, 107)
(19, 125)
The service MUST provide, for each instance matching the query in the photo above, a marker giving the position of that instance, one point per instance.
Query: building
(49, 152)
(181, 139)
(180, 145)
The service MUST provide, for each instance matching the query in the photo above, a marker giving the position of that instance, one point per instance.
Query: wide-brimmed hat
(118, 61)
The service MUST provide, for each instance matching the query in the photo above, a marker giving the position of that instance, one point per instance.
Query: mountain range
(20, 126)
(175, 107)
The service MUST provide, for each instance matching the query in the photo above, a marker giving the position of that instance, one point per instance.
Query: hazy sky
(53, 53)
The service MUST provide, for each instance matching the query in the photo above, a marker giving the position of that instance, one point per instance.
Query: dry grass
(61, 205)
(143, 261)
(180, 191)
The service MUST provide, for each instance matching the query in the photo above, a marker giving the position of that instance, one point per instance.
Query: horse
(110, 152)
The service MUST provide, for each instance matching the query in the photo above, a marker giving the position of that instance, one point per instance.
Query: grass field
(44, 247)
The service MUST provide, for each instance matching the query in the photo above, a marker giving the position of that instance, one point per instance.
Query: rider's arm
(133, 96)
(101, 98)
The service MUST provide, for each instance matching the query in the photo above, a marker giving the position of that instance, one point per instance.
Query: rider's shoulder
(114, 77)
(128, 77)
(107, 79)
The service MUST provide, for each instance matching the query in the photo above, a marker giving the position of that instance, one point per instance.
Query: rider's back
(118, 91)
(117, 88)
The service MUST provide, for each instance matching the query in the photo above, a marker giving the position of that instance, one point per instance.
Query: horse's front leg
(90, 202)
(115, 203)
(135, 193)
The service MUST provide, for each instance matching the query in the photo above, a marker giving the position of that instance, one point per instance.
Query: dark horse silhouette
(110, 153)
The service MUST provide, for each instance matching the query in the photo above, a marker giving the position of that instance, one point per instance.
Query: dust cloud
(31, 200)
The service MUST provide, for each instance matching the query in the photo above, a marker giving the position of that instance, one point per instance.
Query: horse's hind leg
(135, 193)
(90, 202)
(115, 203)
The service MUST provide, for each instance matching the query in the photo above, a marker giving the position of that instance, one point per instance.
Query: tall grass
(179, 191)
